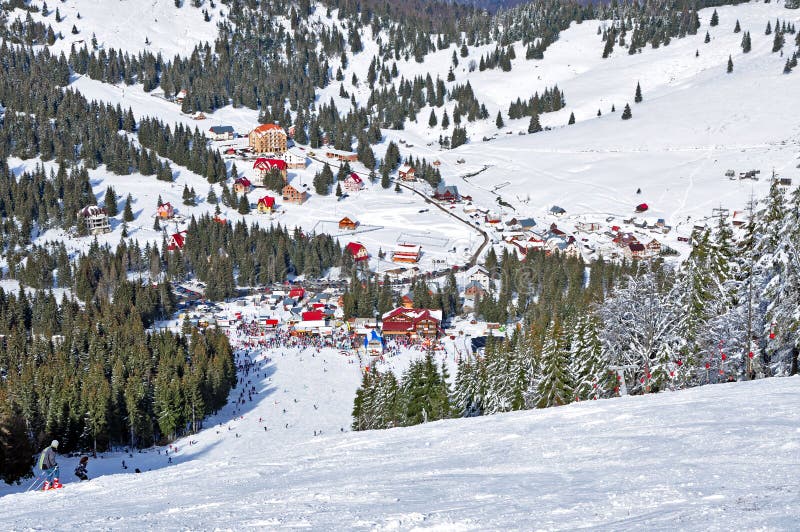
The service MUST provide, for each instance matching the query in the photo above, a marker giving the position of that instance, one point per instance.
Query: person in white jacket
(48, 465)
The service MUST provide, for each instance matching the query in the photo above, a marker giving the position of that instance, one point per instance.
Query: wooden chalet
(412, 322)
(347, 224)
(653, 248)
(341, 155)
(473, 290)
(409, 253)
(407, 173)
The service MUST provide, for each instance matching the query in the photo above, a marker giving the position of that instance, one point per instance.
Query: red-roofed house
(176, 241)
(297, 293)
(165, 211)
(358, 251)
(635, 250)
(266, 205)
(353, 183)
(242, 185)
(313, 315)
(412, 322)
(263, 166)
(407, 173)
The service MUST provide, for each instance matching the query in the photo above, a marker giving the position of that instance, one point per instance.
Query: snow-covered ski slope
(713, 458)
(131, 25)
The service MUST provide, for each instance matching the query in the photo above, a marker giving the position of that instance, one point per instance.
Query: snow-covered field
(711, 458)
(131, 25)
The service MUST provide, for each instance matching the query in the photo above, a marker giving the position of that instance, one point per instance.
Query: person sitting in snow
(80, 471)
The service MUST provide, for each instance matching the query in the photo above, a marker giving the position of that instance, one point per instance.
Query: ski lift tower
(620, 371)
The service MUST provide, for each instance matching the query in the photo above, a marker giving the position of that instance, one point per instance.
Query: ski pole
(35, 485)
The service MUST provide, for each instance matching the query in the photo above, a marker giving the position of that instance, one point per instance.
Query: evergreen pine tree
(714, 19)
(626, 113)
(432, 121)
(554, 387)
(571, 119)
(730, 64)
(110, 201)
(777, 42)
(534, 126)
(385, 182)
(499, 120)
(244, 205)
(127, 212)
(746, 43)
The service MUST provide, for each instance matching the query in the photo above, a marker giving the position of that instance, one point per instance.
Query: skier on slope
(80, 471)
(48, 465)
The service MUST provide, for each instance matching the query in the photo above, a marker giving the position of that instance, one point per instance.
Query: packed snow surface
(133, 26)
(716, 457)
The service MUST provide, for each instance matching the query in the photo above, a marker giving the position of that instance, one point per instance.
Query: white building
(95, 219)
(480, 275)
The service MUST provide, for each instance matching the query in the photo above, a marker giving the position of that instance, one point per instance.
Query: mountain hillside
(236, 236)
